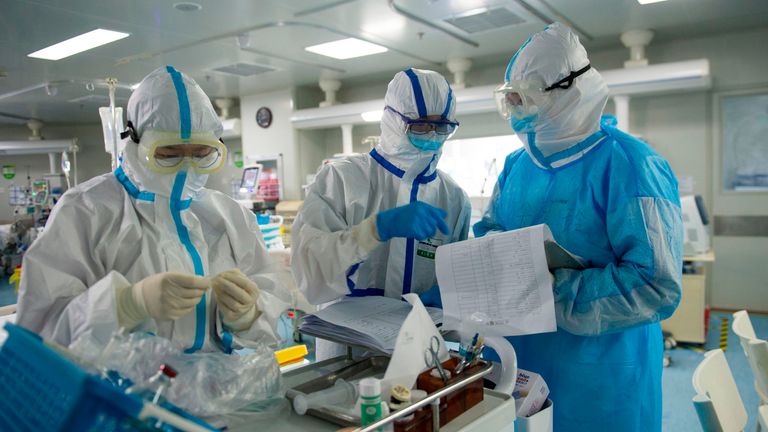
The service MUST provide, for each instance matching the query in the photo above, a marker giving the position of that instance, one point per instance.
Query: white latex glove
(236, 296)
(162, 296)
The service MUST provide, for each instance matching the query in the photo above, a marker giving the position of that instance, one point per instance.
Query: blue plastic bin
(43, 391)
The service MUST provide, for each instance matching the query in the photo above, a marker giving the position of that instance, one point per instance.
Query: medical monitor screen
(250, 178)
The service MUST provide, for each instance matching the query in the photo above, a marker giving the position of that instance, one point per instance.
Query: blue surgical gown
(618, 208)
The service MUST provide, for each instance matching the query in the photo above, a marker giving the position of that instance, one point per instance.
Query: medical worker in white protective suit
(609, 198)
(148, 247)
(371, 222)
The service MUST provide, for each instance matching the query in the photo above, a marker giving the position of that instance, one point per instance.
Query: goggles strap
(130, 132)
(566, 82)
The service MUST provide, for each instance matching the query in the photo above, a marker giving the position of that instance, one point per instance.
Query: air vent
(95, 98)
(485, 20)
(244, 69)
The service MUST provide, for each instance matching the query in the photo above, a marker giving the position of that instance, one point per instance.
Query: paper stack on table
(370, 322)
(500, 284)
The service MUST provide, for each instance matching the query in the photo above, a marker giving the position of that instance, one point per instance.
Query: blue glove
(432, 298)
(416, 220)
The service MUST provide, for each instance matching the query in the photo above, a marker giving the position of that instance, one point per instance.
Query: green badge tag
(427, 248)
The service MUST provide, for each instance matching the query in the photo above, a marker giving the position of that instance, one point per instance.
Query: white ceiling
(197, 42)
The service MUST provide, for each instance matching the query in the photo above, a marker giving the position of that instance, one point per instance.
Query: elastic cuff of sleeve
(244, 322)
(365, 234)
(130, 313)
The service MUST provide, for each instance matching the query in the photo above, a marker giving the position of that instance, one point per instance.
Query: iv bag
(112, 131)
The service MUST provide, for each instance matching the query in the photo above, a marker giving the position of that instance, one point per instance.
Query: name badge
(427, 248)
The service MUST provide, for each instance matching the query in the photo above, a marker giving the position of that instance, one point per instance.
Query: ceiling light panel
(346, 49)
(645, 2)
(78, 44)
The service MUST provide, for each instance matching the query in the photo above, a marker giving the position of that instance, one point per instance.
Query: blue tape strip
(386, 164)
(410, 243)
(176, 205)
(226, 339)
(352, 270)
(450, 99)
(514, 58)
(131, 188)
(417, 93)
(185, 116)
(367, 292)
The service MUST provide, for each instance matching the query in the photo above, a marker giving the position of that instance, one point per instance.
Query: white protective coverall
(119, 228)
(336, 251)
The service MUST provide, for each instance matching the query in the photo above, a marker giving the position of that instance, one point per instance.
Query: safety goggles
(521, 98)
(444, 127)
(167, 155)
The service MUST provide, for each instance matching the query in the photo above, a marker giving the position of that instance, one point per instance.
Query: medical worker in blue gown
(609, 198)
(148, 247)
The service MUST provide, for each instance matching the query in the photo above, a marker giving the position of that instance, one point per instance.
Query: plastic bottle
(370, 401)
(342, 394)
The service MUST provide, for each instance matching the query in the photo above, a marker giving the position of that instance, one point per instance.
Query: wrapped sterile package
(530, 393)
(208, 384)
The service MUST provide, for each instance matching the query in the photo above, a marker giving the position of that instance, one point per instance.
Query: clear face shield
(167, 154)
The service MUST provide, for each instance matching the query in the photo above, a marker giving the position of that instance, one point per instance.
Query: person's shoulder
(451, 185)
(348, 165)
(94, 193)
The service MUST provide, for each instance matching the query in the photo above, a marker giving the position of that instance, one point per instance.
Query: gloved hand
(417, 220)
(431, 297)
(236, 296)
(162, 296)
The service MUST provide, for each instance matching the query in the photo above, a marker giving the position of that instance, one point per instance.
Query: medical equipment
(432, 359)
(112, 124)
(695, 219)
(342, 395)
(250, 180)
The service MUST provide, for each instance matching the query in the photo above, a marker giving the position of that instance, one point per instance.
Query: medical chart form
(499, 282)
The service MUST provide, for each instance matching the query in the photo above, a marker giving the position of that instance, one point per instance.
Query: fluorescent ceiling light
(78, 44)
(372, 116)
(644, 2)
(346, 49)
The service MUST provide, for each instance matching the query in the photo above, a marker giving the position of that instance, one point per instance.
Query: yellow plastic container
(291, 354)
(16, 278)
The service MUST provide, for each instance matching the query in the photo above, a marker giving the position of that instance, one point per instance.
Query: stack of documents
(370, 322)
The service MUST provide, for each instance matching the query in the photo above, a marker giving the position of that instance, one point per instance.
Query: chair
(756, 351)
(717, 402)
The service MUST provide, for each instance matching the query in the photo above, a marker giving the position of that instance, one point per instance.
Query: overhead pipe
(322, 8)
(329, 87)
(400, 10)
(273, 24)
(51, 85)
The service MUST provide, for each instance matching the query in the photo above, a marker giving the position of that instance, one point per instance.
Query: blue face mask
(523, 124)
(426, 142)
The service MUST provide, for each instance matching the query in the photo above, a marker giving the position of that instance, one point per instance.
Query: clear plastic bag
(207, 384)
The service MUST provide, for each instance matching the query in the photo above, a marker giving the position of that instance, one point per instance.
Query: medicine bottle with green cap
(370, 401)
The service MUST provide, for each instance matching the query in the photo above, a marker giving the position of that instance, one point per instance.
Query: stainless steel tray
(368, 367)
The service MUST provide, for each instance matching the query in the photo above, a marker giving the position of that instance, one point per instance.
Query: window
(745, 142)
(476, 163)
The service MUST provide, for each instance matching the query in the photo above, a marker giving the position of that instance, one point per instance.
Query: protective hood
(563, 129)
(168, 102)
(414, 93)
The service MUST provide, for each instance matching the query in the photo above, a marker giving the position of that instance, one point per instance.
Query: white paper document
(372, 322)
(501, 282)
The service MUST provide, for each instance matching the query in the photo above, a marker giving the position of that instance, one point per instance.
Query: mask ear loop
(567, 82)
